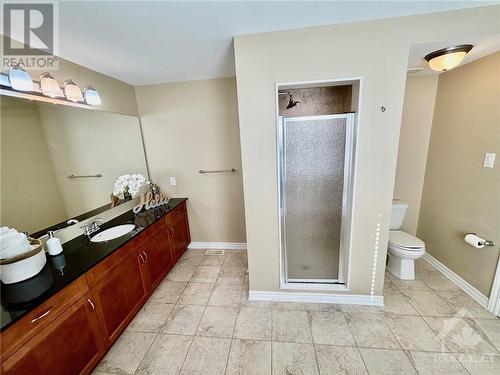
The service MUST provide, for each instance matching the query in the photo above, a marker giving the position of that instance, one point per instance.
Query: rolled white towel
(20, 246)
(8, 237)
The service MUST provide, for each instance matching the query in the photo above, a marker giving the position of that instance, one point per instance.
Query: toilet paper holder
(484, 242)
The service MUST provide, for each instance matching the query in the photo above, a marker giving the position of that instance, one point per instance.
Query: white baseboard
(351, 299)
(494, 303)
(218, 245)
(457, 280)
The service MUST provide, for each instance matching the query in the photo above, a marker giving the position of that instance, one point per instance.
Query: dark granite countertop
(78, 256)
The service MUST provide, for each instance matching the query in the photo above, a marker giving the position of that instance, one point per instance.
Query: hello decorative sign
(150, 201)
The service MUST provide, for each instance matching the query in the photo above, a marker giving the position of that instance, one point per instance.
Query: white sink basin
(112, 233)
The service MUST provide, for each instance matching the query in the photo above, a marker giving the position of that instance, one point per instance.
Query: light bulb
(91, 95)
(72, 91)
(20, 79)
(49, 86)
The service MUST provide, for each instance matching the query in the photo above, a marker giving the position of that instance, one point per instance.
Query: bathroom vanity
(63, 320)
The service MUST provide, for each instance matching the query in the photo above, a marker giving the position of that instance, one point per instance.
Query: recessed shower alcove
(316, 144)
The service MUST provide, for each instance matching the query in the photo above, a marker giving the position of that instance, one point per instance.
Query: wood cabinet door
(40, 317)
(158, 255)
(119, 296)
(71, 344)
(179, 233)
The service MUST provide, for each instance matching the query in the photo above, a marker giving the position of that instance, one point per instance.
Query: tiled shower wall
(316, 101)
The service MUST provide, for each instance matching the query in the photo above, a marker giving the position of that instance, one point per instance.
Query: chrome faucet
(93, 226)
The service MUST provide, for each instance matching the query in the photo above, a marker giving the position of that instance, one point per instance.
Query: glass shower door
(315, 174)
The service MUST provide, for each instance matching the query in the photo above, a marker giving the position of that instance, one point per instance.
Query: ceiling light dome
(72, 91)
(447, 58)
(20, 79)
(49, 86)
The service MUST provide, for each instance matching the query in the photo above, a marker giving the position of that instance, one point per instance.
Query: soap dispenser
(54, 246)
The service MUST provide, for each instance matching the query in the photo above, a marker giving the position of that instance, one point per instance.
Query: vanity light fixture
(91, 95)
(20, 79)
(72, 91)
(447, 58)
(49, 86)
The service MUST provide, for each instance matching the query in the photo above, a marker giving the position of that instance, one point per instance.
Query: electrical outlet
(489, 160)
(173, 182)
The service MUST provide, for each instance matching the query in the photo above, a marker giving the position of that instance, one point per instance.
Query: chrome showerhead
(292, 103)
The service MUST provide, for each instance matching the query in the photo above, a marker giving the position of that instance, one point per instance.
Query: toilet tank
(398, 213)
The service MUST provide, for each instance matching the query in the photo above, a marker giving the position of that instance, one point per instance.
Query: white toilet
(403, 248)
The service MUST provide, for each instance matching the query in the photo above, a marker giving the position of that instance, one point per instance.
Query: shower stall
(315, 165)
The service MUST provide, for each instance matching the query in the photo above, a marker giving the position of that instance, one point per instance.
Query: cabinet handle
(145, 255)
(142, 259)
(92, 306)
(41, 316)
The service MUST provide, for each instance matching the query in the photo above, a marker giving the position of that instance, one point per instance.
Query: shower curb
(349, 299)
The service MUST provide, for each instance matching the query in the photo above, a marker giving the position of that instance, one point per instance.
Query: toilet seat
(399, 240)
(401, 248)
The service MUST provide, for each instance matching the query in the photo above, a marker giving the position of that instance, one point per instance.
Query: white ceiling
(145, 42)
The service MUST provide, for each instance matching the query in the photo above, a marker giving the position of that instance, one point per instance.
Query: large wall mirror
(44, 146)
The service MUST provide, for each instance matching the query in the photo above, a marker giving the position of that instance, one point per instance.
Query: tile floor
(199, 321)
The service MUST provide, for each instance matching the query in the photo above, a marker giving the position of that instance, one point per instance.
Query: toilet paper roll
(475, 241)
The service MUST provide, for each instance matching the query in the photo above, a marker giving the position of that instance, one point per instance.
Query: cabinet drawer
(33, 322)
(101, 270)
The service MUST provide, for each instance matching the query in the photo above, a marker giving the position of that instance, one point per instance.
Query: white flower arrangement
(128, 185)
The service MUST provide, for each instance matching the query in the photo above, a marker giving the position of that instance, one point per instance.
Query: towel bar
(232, 170)
(85, 176)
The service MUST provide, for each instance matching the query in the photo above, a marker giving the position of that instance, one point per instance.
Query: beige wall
(335, 52)
(29, 191)
(190, 126)
(459, 195)
(416, 123)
